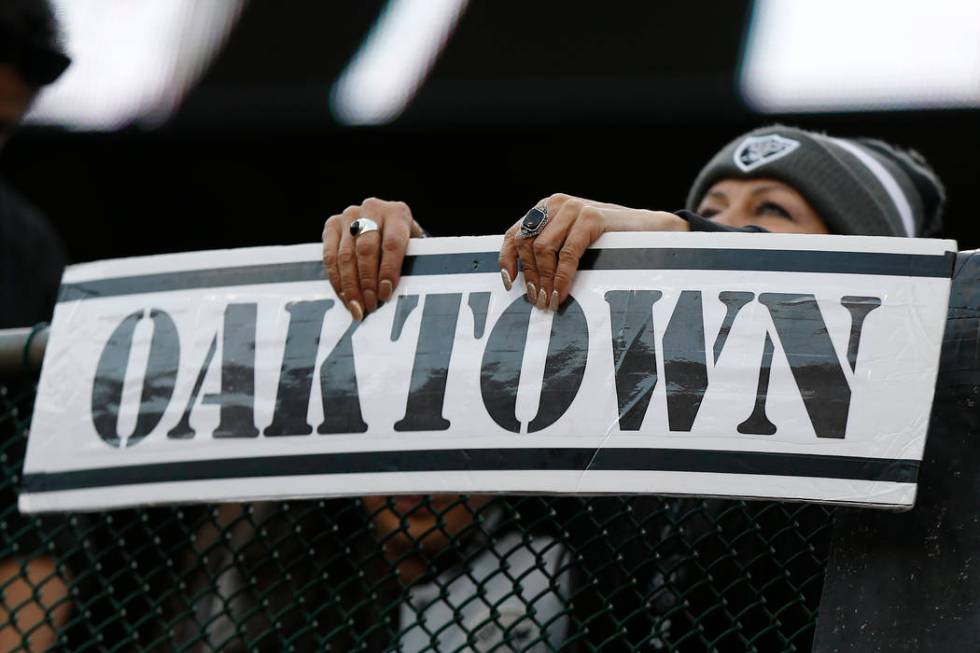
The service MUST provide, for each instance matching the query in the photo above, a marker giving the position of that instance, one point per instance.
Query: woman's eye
(708, 213)
(772, 208)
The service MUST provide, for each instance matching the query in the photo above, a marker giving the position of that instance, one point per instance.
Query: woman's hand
(365, 269)
(550, 259)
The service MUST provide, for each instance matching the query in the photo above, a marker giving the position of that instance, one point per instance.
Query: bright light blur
(833, 55)
(394, 60)
(133, 61)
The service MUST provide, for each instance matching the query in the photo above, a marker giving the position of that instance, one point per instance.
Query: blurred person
(501, 587)
(32, 256)
(408, 573)
(33, 588)
(707, 574)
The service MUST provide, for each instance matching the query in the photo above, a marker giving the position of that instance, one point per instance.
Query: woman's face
(766, 203)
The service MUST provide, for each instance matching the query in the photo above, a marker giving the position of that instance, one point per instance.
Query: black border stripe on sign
(452, 460)
(647, 258)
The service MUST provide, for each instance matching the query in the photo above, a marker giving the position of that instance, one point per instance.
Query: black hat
(858, 186)
(29, 41)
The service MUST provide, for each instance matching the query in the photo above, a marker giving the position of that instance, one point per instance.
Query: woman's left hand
(550, 259)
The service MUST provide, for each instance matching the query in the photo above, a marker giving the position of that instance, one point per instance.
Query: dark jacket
(32, 259)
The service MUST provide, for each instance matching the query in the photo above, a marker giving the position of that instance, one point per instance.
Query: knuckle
(372, 203)
(364, 247)
(568, 255)
(346, 257)
(349, 285)
(392, 246)
(556, 202)
(543, 247)
(574, 205)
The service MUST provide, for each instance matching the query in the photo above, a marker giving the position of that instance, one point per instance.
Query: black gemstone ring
(534, 222)
(362, 226)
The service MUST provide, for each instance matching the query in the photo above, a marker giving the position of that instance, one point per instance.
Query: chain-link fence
(442, 573)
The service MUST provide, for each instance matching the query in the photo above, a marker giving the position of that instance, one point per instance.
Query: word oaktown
(748, 365)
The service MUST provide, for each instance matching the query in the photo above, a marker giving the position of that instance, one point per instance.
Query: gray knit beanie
(858, 186)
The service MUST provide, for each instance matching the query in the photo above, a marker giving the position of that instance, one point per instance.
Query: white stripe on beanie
(885, 178)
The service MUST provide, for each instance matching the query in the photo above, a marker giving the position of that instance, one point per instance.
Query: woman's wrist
(624, 219)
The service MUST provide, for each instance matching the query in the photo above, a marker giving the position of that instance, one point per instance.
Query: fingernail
(505, 275)
(356, 311)
(532, 292)
(385, 290)
(542, 299)
(370, 302)
(554, 301)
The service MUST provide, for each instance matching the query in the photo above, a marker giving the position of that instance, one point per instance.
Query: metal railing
(22, 350)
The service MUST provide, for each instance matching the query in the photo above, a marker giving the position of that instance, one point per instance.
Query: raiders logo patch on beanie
(757, 151)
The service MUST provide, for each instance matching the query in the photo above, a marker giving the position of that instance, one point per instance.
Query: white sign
(737, 365)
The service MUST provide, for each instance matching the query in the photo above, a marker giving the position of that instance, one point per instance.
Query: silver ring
(362, 226)
(533, 222)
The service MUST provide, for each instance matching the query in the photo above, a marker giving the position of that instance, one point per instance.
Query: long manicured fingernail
(542, 299)
(554, 301)
(356, 311)
(505, 275)
(532, 292)
(385, 290)
(370, 301)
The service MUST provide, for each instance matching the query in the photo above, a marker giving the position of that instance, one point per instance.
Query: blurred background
(200, 124)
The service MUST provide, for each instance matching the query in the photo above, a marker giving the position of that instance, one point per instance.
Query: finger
(508, 257)
(546, 246)
(347, 263)
(526, 254)
(394, 242)
(587, 228)
(367, 246)
(331, 243)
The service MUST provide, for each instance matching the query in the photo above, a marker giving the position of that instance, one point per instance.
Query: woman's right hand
(550, 259)
(364, 270)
